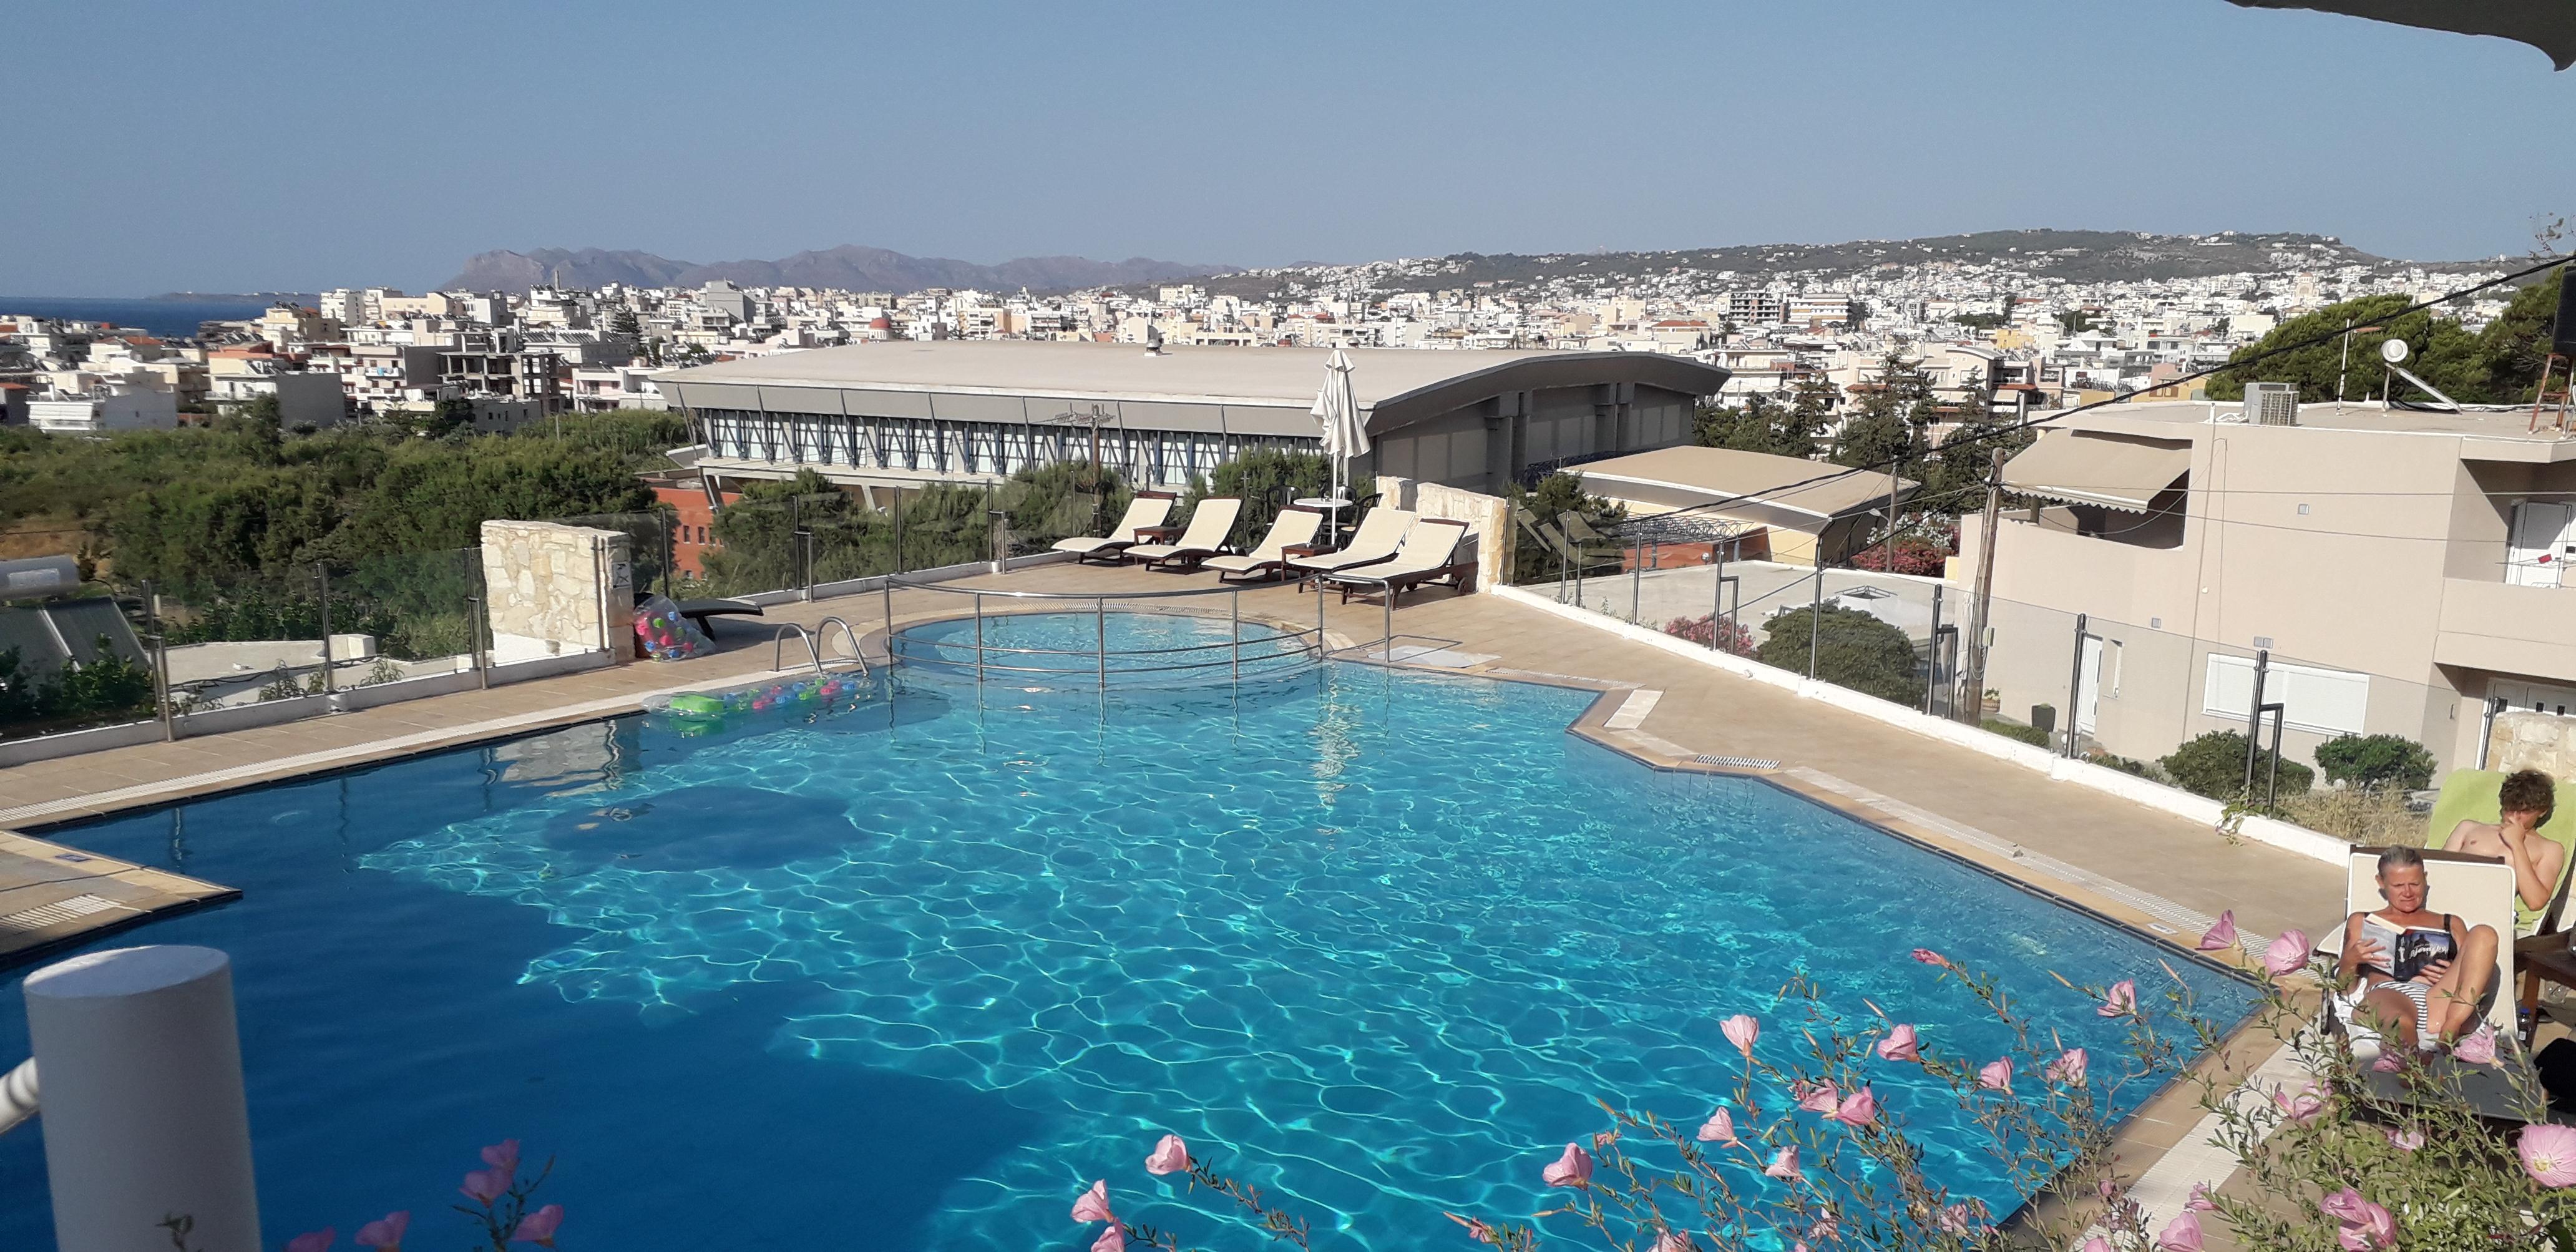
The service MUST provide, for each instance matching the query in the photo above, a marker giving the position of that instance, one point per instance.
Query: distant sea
(168, 318)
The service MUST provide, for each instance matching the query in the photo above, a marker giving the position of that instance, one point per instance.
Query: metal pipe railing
(778, 647)
(17, 1095)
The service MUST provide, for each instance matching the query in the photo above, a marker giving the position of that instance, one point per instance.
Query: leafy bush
(2031, 735)
(1549, 503)
(1853, 649)
(1264, 479)
(2376, 761)
(110, 688)
(2213, 765)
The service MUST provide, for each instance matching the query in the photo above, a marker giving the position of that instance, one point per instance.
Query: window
(2324, 701)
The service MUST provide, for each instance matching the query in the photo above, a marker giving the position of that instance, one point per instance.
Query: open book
(2408, 950)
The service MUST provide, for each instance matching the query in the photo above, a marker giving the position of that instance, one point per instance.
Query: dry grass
(2366, 818)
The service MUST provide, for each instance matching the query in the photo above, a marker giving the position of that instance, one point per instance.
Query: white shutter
(2324, 701)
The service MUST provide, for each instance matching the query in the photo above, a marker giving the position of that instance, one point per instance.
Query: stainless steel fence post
(1100, 625)
(979, 639)
(2074, 685)
(886, 582)
(1815, 608)
(1235, 604)
(1717, 597)
(322, 579)
(1389, 654)
(1637, 582)
(1932, 669)
(161, 663)
(2254, 718)
(474, 627)
(1319, 621)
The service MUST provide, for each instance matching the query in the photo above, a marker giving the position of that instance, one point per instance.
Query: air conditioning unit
(2272, 404)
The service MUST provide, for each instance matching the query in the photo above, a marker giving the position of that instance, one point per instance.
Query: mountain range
(848, 268)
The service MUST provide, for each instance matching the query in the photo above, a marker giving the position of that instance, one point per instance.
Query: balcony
(2509, 629)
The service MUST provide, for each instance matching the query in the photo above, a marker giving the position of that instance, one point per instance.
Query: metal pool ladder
(812, 639)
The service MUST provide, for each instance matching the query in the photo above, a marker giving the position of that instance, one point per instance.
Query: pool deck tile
(53, 897)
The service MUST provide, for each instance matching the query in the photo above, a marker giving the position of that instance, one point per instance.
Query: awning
(2549, 25)
(2085, 468)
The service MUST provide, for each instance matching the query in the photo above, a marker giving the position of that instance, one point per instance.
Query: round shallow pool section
(925, 963)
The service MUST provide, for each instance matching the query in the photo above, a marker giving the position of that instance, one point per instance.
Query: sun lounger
(1149, 508)
(1210, 523)
(1293, 526)
(1429, 554)
(1379, 535)
(2476, 889)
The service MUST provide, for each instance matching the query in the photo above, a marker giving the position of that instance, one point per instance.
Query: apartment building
(2401, 569)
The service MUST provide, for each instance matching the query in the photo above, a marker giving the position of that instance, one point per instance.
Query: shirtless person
(2527, 800)
(2420, 973)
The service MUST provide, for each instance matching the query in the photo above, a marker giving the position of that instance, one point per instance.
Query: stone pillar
(1488, 518)
(142, 1101)
(552, 589)
(2541, 741)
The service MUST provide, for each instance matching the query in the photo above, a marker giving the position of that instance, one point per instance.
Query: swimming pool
(911, 972)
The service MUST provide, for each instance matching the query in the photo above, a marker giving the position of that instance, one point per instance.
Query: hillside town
(2009, 327)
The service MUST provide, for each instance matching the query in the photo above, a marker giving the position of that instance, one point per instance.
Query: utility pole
(1973, 700)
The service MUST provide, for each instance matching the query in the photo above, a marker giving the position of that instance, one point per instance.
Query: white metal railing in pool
(1309, 640)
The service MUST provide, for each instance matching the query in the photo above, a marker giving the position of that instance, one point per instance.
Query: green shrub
(2376, 761)
(1853, 649)
(2031, 735)
(2213, 765)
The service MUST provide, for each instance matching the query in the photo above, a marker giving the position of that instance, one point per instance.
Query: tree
(1557, 502)
(1763, 424)
(2213, 765)
(1263, 479)
(1852, 649)
(2075, 322)
(1888, 419)
(2500, 365)
(2375, 761)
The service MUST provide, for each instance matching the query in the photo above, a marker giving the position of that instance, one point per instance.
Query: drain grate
(1737, 762)
(57, 913)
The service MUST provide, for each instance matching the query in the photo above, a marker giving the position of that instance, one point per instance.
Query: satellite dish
(2392, 351)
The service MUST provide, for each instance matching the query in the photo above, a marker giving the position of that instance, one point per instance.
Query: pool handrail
(778, 647)
(1099, 602)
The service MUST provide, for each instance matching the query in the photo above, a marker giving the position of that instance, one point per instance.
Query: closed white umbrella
(1344, 435)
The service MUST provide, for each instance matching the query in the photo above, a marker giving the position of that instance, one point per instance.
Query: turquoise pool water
(909, 972)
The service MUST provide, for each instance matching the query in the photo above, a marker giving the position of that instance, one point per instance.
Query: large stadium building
(909, 413)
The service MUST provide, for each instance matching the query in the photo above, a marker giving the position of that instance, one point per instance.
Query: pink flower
(2095, 1244)
(2222, 936)
(1094, 1204)
(1476, 1227)
(1785, 1165)
(2182, 1234)
(2548, 1154)
(2120, 1001)
(2389, 1062)
(1997, 1076)
(1171, 1156)
(1827, 1229)
(1113, 1238)
(1673, 1241)
(1719, 1128)
(313, 1240)
(1952, 1219)
(483, 1186)
(1741, 1030)
(1574, 1169)
(2366, 1226)
(1929, 957)
(2478, 1047)
(2406, 1140)
(1860, 1108)
(386, 1232)
(2288, 954)
(2068, 1069)
(539, 1227)
(2200, 1201)
(1818, 1097)
(503, 1156)
(2303, 1106)
(1900, 1045)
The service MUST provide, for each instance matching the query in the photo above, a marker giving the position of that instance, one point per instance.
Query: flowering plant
(2334, 1147)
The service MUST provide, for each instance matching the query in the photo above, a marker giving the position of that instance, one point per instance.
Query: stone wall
(553, 589)
(2541, 741)
(1488, 518)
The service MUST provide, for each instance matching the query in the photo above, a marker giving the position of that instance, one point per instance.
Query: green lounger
(2469, 795)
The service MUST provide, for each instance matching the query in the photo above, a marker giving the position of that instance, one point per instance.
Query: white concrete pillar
(144, 1115)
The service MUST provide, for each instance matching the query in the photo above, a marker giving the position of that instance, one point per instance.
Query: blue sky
(229, 147)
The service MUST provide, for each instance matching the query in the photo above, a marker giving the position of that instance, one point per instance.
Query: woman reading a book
(2421, 974)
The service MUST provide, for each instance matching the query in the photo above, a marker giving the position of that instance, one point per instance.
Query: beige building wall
(2374, 551)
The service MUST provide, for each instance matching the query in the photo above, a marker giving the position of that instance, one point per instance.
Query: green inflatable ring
(692, 704)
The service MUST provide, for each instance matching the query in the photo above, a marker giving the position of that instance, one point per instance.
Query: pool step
(58, 897)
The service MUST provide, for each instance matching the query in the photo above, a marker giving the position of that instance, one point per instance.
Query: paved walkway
(2144, 867)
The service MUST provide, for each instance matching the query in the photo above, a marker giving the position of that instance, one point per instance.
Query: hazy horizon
(295, 150)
